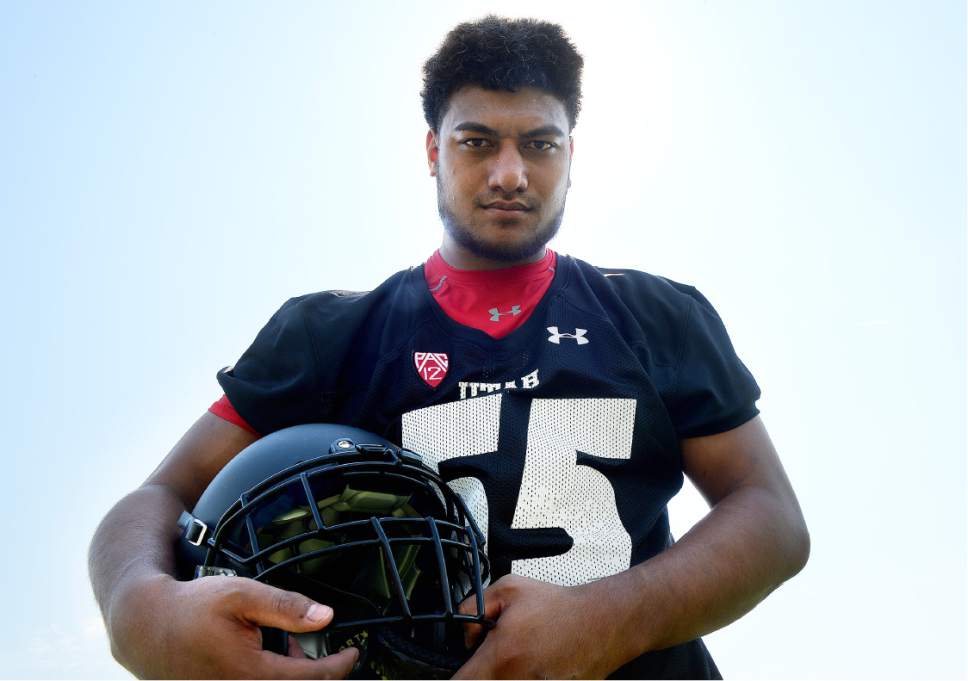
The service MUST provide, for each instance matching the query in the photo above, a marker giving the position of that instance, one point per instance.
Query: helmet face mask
(353, 522)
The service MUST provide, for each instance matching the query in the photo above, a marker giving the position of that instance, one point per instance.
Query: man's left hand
(542, 631)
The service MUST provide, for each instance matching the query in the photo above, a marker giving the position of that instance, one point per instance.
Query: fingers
(295, 650)
(492, 608)
(268, 606)
(472, 635)
(335, 666)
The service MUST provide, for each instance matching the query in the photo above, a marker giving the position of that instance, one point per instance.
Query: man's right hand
(205, 628)
(209, 628)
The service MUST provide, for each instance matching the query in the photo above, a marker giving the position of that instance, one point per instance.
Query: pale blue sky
(171, 172)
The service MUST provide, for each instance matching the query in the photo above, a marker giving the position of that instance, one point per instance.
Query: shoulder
(327, 307)
(338, 323)
(636, 284)
(650, 313)
(646, 296)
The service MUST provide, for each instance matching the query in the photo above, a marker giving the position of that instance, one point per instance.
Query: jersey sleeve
(224, 410)
(714, 391)
(275, 384)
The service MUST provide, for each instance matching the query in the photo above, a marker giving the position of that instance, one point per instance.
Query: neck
(460, 258)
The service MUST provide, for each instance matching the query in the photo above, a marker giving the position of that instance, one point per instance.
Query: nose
(508, 172)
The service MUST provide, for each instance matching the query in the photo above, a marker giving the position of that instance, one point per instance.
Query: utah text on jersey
(474, 388)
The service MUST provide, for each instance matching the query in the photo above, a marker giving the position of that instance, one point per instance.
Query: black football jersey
(563, 437)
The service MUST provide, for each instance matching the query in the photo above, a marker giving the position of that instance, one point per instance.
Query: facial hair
(468, 240)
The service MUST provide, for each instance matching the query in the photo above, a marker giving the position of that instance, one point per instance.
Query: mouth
(506, 207)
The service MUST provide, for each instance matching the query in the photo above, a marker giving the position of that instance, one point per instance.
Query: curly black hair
(497, 53)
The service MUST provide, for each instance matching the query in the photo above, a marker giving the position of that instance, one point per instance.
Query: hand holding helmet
(210, 628)
(521, 645)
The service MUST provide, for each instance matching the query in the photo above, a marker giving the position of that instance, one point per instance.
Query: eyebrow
(543, 131)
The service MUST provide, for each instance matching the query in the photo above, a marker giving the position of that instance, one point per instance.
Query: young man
(572, 398)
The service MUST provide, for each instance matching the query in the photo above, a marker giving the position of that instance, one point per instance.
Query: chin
(514, 249)
(501, 240)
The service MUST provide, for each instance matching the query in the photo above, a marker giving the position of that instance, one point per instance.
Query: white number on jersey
(555, 491)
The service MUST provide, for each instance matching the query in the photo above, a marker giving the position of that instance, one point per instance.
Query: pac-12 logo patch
(432, 366)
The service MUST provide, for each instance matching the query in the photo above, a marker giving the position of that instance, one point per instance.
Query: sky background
(171, 172)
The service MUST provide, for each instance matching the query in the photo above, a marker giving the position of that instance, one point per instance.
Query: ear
(432, 152)
(571, 156)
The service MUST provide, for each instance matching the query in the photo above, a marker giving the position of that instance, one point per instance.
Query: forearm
(745, 547)
(132, 545)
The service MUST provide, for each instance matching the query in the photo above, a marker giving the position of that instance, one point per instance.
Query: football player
(564, 402)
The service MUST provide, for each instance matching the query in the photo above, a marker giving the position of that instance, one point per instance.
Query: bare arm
(159, 627)
(752, 540)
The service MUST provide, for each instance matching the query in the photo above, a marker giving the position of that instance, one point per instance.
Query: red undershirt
(493, 301)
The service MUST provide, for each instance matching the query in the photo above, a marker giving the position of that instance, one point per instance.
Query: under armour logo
(496, 316)
(556, 337)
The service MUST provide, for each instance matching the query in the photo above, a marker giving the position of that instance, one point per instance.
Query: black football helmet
(352, 521)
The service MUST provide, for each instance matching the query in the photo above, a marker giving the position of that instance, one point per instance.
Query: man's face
(502, 163)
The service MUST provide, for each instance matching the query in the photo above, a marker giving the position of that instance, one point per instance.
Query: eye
(541, 145)
(476, 142)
